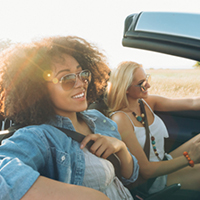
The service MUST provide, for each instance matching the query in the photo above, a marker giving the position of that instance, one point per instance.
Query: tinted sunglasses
(143, 84)
(69, 81)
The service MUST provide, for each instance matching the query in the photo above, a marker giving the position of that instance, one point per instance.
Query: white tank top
(157, 129)
(100, 175)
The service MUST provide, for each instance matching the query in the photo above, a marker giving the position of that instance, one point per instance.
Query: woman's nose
(79, 82)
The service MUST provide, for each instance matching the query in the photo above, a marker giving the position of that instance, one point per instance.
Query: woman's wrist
(126, 159)
(123, 149)
(190, 162)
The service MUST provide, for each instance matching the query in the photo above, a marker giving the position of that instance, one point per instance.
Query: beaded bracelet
(191, 162)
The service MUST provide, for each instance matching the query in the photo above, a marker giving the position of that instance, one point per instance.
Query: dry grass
(175, 83)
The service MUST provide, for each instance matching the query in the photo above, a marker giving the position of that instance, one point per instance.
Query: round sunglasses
(143, 84)
(69, 81)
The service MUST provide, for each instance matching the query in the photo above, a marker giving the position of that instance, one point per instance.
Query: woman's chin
(145, 94)
(82, 107)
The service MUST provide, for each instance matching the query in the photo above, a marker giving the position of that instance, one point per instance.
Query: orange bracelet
(191, 162)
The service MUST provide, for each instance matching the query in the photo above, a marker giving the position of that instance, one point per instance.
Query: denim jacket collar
(65, 122)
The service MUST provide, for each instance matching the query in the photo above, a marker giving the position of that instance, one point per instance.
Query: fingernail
(81, 146)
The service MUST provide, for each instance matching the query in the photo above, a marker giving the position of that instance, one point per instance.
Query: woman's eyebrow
(66, 70)
(141, 81)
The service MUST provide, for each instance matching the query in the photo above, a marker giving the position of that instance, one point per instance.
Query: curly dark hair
(24, 94)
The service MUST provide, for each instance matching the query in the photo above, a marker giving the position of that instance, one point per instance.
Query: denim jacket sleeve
(20, 158)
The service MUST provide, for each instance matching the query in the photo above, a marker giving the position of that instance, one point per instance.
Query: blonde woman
(128, 84)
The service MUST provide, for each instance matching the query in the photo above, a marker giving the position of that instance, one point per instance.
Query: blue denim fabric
(44, 150)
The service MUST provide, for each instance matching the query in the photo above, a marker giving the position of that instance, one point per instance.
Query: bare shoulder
(119, 117)
(123, 121)
(161, 103)
(152, 100)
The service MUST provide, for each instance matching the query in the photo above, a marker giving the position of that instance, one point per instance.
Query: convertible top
(170, 33)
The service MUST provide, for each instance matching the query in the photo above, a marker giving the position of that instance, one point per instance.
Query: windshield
(163, 23)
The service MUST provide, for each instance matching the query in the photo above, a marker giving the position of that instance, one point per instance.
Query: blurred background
(99, 22)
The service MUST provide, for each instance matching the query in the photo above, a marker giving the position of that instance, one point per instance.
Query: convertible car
(177, 34)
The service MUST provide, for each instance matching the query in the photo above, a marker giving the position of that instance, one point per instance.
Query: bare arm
(149, 169)
(126, 162)
(160, 103)
(45, 188)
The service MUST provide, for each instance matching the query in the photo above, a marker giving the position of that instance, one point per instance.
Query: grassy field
(175, 83)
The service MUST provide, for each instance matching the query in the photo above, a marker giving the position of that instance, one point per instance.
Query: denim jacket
(44, 150)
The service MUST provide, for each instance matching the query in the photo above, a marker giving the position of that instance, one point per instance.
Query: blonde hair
(119, 82)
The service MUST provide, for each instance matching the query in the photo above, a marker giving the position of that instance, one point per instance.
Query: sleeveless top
(159, 131)
(100, 175)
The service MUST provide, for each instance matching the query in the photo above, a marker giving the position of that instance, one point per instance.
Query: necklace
(141, 119)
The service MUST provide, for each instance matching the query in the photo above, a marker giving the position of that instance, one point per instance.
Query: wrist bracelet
(191, 162)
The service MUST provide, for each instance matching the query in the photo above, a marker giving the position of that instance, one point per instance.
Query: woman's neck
(77, 122)
(133, 106)
(71, 115)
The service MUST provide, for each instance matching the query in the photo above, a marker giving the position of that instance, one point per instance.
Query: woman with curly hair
(48, 84)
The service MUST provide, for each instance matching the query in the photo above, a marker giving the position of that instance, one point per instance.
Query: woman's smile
(79, 96)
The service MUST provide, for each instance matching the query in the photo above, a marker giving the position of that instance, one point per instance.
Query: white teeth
(78, 96)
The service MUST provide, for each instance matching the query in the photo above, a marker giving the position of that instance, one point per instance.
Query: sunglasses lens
(86, 76)
(143, 86)
(68, 81)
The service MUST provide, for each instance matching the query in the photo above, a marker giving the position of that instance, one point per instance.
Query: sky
(98, 21)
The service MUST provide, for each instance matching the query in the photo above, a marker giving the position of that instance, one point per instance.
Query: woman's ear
(127, 91)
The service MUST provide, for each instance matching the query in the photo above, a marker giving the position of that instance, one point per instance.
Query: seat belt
(75, 136)
(147, 144)
(145, 187)
(79, 137)
(147, 131)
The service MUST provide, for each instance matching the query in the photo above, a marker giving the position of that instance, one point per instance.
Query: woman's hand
(103, 146)
(194, 151)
